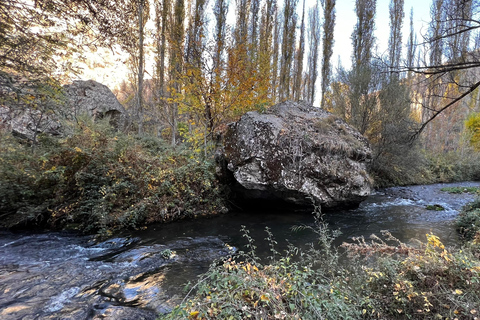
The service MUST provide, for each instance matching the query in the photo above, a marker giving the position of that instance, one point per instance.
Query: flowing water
(140, 274)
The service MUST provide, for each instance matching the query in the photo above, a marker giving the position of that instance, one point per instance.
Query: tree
(220, 11)
(142, 15)
(298, 66)
(288, 48)
(451, 23)
(266, 54)
(176, 46)
(362, 101)
(395, 38)
(328, 32)
(254, 38)
(411, 45)
(275, 58)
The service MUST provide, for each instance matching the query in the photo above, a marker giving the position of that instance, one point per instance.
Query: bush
(99, 180)
(452, 166)
(468, 222)
(417, 167)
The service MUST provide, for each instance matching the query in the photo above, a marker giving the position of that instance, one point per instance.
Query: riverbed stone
(295, 153)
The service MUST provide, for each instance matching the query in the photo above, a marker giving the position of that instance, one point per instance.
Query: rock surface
(95, 99)
(81, 97)
(295, 153)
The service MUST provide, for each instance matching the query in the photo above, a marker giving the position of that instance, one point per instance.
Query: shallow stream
(140, 274)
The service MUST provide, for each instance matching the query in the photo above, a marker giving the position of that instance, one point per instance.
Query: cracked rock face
(295, 153)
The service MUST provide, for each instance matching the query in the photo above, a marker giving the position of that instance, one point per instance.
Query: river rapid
(137, 275)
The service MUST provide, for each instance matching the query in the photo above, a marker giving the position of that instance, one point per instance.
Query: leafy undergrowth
(468, 222)
(378, 279)
(100, 180)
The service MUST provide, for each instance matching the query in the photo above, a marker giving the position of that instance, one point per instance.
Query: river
(139, 274)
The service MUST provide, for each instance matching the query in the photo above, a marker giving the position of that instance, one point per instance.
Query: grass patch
(99, 180)
(435, 207)
(458, 190)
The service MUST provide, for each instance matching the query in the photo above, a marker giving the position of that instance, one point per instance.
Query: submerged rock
(295, 153)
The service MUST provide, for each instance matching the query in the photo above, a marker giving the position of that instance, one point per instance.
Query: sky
(115, 70)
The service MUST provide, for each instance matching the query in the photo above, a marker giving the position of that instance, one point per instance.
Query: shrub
(424, 282)
(100, 180)
(468, 221)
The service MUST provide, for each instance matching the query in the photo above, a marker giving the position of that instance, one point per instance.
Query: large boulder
(295, 153)
(96, 100)
(81, 97)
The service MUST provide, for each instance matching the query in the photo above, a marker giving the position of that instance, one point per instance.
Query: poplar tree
(436, 30)
(176, 44)
(196, 34)
(328, 40)
(411, 46)
(254, 26)
(458, 14)
(266, 47)
(298, 66)
(142, 17)
(288, 48)
(362, 104)
(313, 51)
(161, 13)
(275, 58)
(220, 11)
(241, 26)
(395, 39)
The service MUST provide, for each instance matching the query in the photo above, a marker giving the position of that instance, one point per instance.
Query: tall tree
(254, 26)
(458, 14)
(411, 45)
(288, 48)
(176, 44)
(362, 103)
(220, 11)
(241, 25)
(275, 58)
(141, 64)
(298, 66)
(328, 32)
(196, 33)
(436, 30)
(162, 9)
(266, 46)
(395, 39)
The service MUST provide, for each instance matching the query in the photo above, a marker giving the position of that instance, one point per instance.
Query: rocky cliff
(295, 153)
